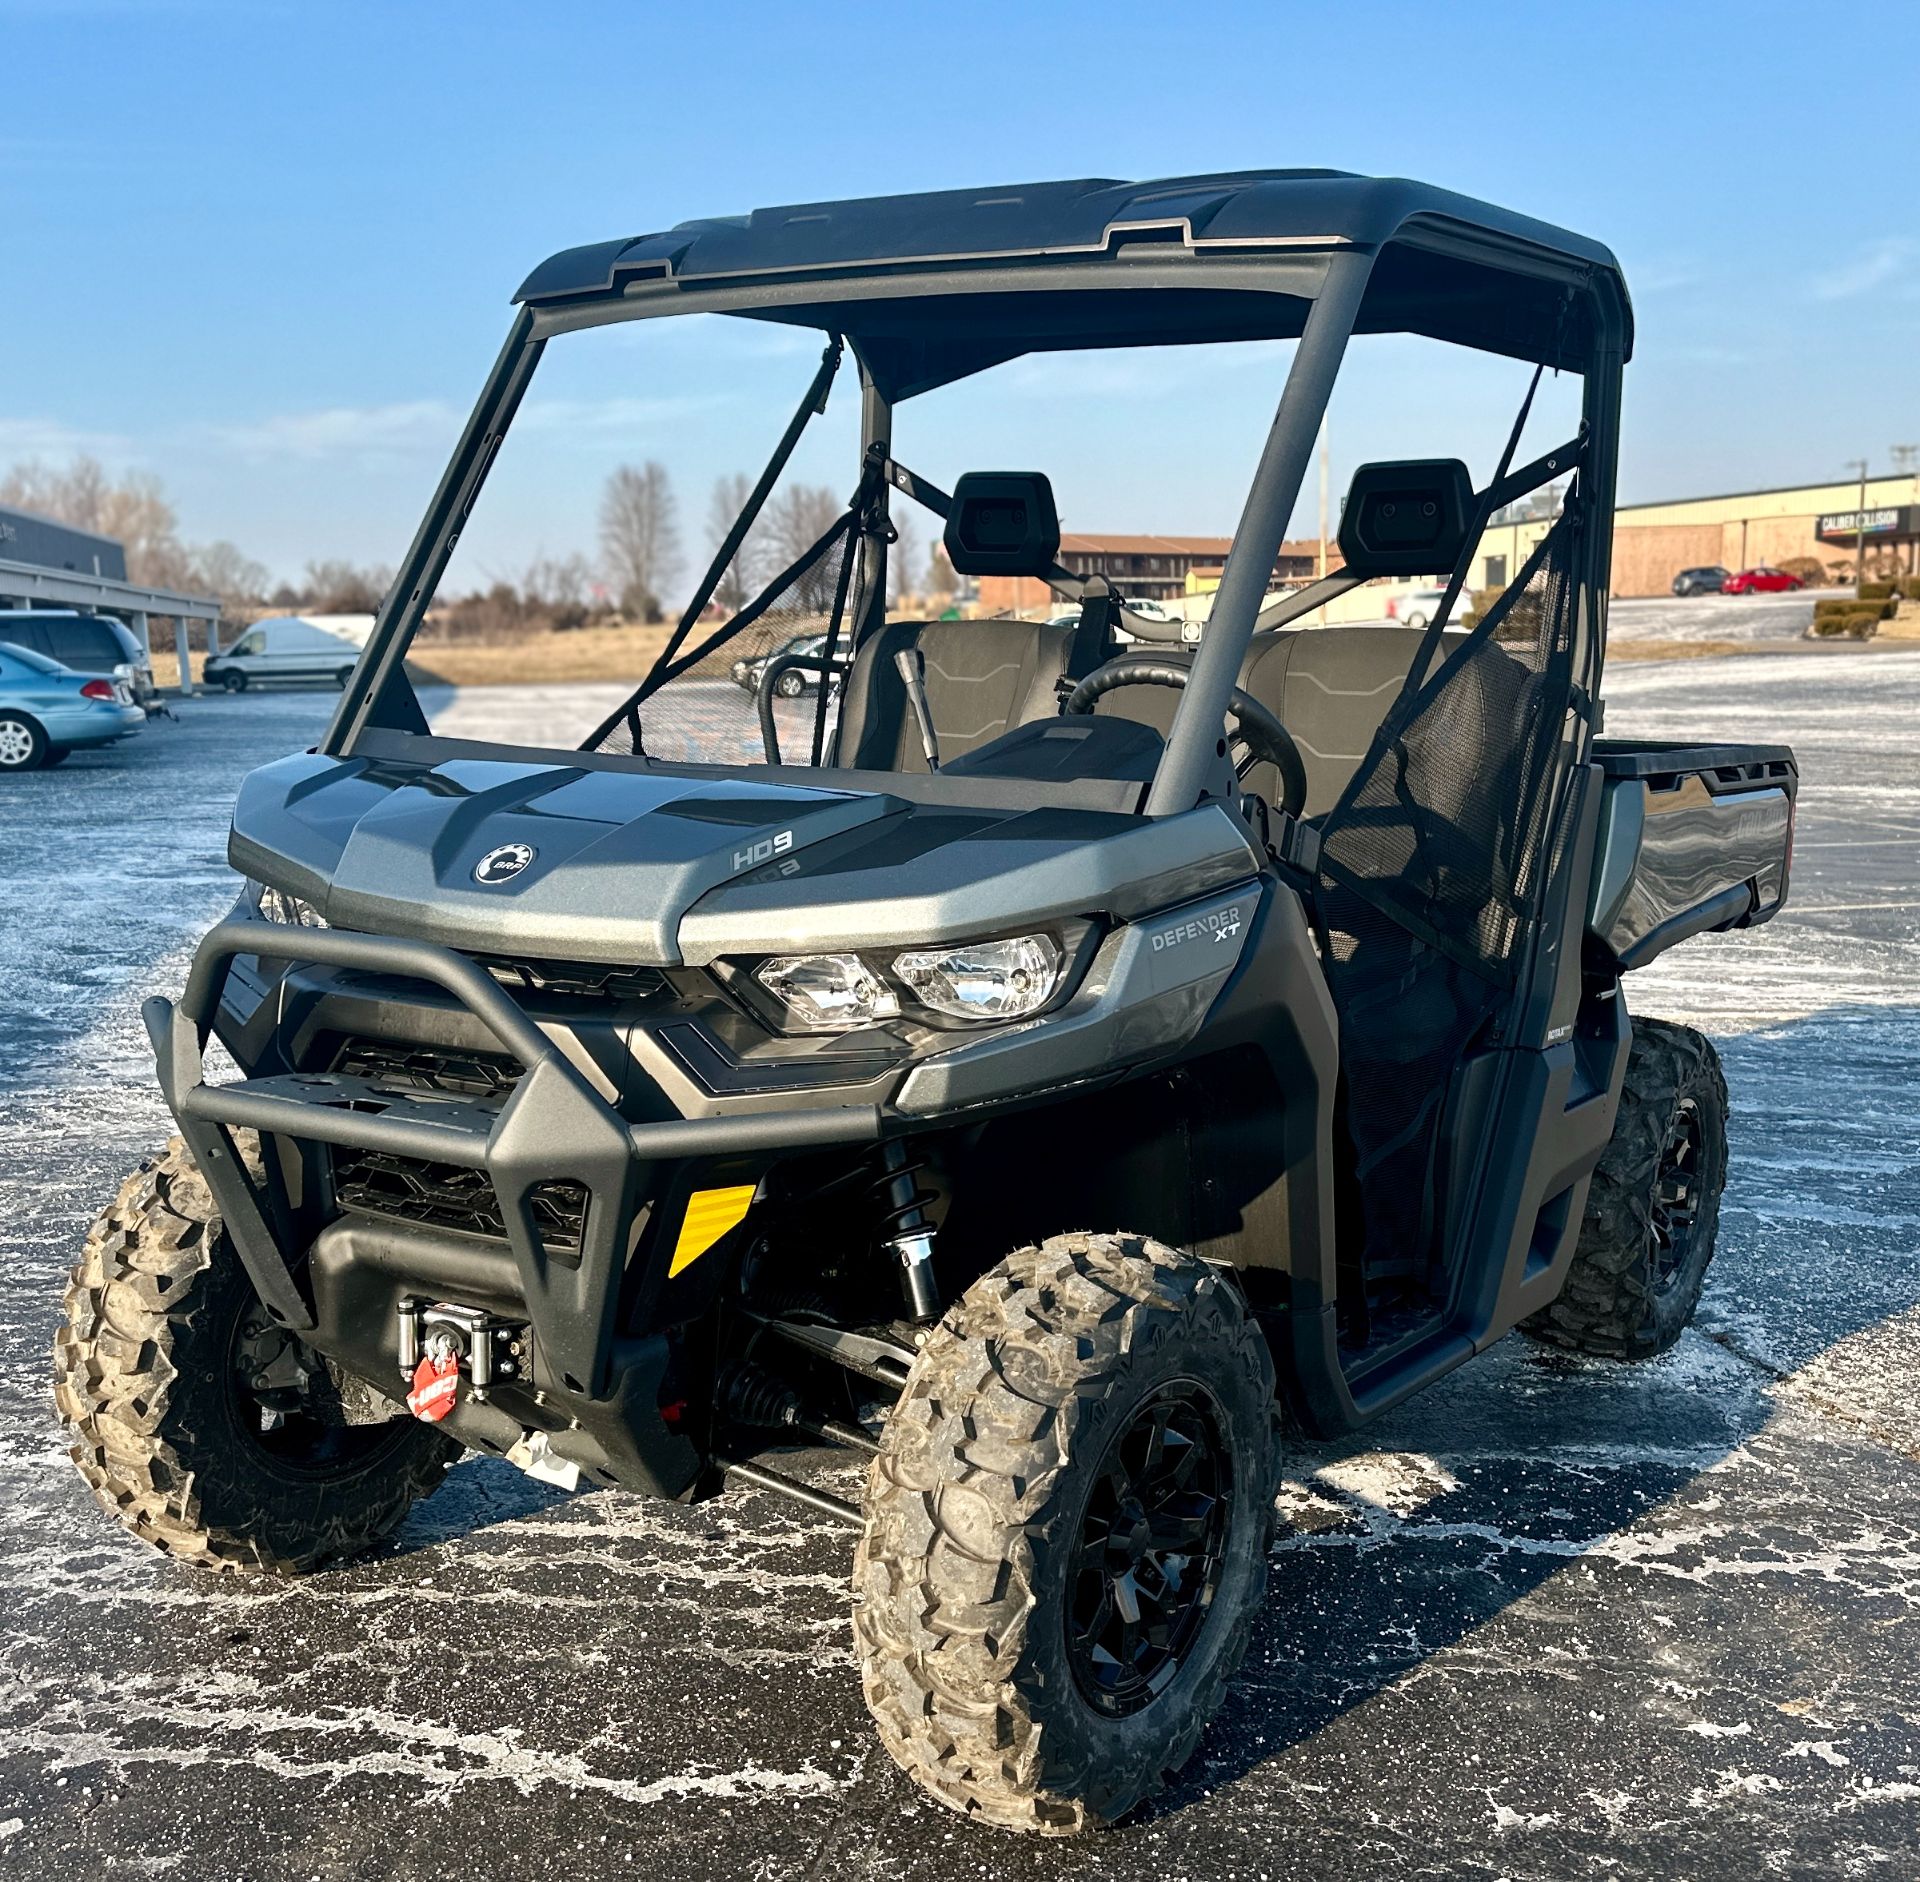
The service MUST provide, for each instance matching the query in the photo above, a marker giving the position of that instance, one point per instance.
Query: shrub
(1812, 572)
(1853, 624)
(1482, 599)
(1835, 604)
(1876, 591)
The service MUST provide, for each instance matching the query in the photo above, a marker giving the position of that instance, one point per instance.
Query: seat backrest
(982, 678)
(1330, 687)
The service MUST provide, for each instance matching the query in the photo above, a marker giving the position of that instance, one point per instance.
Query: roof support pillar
(186, 664)
(1193, 742)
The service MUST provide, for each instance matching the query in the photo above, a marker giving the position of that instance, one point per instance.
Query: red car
(1760, 581)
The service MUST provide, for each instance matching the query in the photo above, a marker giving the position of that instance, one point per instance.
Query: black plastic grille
(448, 1196)
(444, 1195)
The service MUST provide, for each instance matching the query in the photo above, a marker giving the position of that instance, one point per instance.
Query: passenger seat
(982, 678)
(1331, 687)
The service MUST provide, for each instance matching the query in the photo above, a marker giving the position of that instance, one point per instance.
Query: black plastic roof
(1451, 266)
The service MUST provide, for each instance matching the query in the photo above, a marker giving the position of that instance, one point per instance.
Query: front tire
(153, 1372)
(234, 682)
(1066, 1532)
(1654, 1207)
(790, 685)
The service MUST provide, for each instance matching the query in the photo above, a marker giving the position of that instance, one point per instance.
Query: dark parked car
(1700, 581)
(1761, 581)
(794, 680)
(92, 644)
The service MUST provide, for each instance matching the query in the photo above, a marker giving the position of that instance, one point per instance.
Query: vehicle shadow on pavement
(1400, 1542)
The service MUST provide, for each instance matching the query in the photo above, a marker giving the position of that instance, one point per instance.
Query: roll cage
(928, 289)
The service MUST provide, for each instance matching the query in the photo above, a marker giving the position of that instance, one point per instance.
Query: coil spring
(899, 1196)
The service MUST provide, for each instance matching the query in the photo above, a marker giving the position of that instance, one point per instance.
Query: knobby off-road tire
(985, 1504)
(1654, 1206)
(161, 1425)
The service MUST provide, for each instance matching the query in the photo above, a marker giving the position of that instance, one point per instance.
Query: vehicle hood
(657, 869)
(590, 865)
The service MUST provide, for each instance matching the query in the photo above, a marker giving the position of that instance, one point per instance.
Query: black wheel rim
(284, 1407)
(1674, 1217)
(1150, 1550)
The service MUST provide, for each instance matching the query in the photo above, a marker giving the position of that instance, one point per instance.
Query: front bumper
(553, 1128)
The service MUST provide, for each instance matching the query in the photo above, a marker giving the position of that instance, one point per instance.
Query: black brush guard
(553, 1127)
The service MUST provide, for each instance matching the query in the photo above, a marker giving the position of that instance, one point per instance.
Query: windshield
(685, 550)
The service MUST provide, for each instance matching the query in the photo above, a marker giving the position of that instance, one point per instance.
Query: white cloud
(625, 417)
(52, 438)
(406, 429)
(1875, 265)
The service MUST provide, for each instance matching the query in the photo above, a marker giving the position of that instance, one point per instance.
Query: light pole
(1860, 533)
(1906, 457)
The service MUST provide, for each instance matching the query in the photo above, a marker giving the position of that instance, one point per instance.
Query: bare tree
(220, 569)
(903, 559)
(640, 536)
(557, 589)
(133, 510)
(341, 587)
(942, 583)
(796, 519)
(742, 577)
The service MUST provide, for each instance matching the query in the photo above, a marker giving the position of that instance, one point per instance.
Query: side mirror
(1407, 518)
(1002, 523)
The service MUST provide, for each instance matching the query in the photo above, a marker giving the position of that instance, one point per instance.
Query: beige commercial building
(1653, 542)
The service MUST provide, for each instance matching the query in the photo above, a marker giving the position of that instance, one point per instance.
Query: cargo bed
(1693, 839)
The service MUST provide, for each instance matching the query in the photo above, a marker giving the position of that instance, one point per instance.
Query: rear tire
(790, 685)
(161, 1328)
(1066, 1532)
(23, 746)
(1654, 1207)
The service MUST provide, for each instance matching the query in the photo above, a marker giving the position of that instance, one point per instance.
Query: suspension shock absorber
(905, 1228)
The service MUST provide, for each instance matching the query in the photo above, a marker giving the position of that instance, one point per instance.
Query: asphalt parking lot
(1554, 1619)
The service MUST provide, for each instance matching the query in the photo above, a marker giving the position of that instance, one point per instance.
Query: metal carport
(28, 582)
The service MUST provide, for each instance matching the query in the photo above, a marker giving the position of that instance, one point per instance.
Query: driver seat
(983, 678)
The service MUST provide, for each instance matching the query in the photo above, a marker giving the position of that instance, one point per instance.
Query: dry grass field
(625, 653)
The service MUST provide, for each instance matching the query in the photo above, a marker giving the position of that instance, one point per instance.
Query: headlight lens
(289, 910)
(827, 992)
(984, 979)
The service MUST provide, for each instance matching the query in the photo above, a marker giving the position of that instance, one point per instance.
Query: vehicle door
(246, 652)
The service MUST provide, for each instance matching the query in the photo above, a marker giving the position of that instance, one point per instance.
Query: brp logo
(503, 864)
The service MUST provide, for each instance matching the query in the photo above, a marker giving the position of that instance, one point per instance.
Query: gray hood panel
(616, 856)
(1036, 867)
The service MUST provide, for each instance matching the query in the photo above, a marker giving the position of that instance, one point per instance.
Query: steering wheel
(1266, 739)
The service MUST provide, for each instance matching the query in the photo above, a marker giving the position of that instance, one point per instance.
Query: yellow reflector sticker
(710, 1214)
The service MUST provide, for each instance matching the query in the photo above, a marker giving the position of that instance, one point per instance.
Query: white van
(292, 647)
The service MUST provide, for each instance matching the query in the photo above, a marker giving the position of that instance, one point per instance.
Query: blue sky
(265, 251)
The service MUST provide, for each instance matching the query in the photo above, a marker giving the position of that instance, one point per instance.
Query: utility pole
(1906, 457)
(1860, 534)
(1320, 571)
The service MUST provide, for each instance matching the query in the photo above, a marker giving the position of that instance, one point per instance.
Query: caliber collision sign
(1847, 525)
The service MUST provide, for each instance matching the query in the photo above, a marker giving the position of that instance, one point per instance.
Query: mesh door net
(1432, 867)
(702, 707)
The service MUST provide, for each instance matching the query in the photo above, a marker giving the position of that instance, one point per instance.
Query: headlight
(827, 992)
(289, 910)
(984, 979)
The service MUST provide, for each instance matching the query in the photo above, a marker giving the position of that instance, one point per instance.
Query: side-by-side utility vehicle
(1033, 1066)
